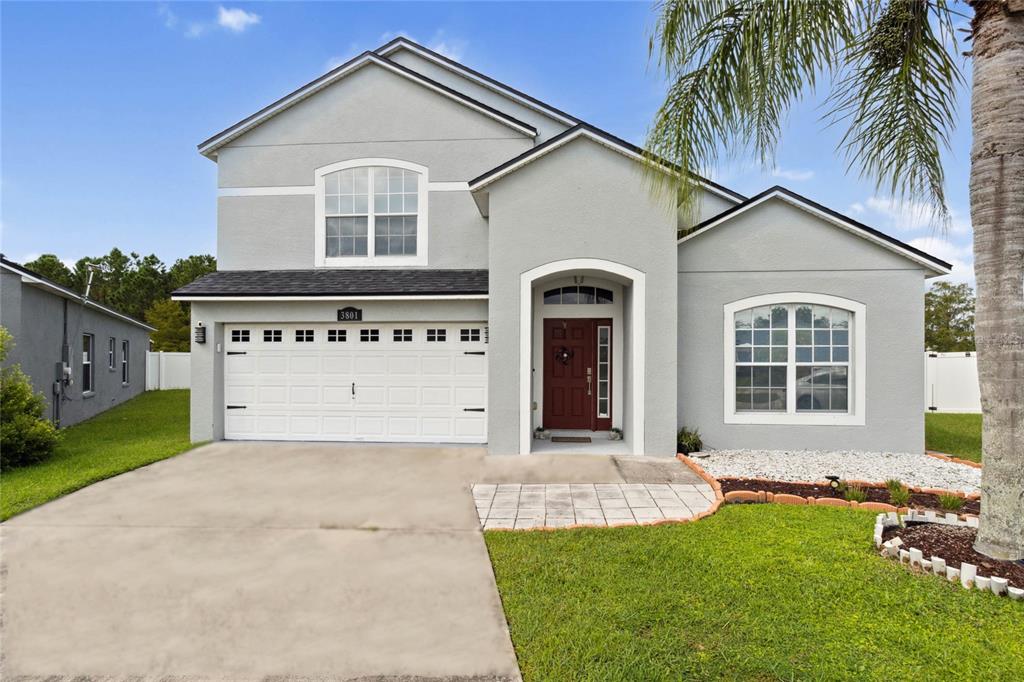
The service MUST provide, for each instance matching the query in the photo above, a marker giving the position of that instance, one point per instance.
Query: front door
(571, 374)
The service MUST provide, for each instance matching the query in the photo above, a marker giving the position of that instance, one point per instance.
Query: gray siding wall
(372, 113)
(546, 126)
(779, 248)
(208, 359)
(36, 317)
(584, 201)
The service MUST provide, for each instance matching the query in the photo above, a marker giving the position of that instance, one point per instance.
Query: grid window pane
(401, 335)
(437, 335)
(395, 236)
(369, 335)
(337, 335)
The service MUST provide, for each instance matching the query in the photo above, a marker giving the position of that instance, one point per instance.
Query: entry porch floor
(600, 444)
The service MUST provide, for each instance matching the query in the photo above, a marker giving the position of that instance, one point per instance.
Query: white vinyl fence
(951, 382)
(167, 370)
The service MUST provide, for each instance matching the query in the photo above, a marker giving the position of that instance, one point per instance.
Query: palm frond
(898, 99)
(735, 67)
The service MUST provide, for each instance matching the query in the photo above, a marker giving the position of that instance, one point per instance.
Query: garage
(399, 382)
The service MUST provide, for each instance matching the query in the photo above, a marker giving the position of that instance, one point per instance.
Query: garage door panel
(404, 391)
(305, 395)
(403, 366)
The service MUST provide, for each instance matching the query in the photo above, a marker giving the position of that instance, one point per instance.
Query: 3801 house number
(350, 314)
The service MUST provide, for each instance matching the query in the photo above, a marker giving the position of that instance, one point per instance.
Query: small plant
(894, 484)
(951, 502)
(688, 440)
(854, 493)
(615, 433)
(899, 497)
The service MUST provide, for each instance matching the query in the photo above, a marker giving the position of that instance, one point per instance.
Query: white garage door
(356, 382)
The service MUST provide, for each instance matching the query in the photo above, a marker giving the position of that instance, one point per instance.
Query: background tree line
(949, 318)
(138, 286)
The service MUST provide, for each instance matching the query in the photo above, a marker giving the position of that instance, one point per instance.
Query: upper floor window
(795, 359)
(371, 212)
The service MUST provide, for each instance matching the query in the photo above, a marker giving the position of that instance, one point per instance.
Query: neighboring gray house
(53, 327)
(411, 251)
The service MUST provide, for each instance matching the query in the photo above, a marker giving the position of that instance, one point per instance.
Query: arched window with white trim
(794, 359)
(371, 212)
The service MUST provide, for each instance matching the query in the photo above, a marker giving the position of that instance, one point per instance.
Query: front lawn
(148, 428)
(954, 434)
(753, 592)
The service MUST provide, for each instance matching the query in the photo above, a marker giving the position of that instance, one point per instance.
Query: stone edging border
(716, 487)
(950, 458)
(786, 498)
(967, 574)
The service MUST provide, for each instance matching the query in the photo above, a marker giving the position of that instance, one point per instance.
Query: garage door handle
(236, 407)
(473, 352)
(472, 409)
(236, 352)
(353, 389)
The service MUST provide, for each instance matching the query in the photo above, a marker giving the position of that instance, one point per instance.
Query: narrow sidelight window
(111, 344)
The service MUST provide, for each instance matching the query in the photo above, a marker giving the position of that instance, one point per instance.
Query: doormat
(570, 439)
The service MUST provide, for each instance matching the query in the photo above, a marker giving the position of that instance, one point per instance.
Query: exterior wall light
(200, 336)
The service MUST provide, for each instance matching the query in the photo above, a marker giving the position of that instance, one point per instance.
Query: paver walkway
(522, 506)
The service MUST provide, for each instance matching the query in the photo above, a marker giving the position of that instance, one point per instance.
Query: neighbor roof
(934, 264)
(35, 279)
(332, 283)
(210, 146)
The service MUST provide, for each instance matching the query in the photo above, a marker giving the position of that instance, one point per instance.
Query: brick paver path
(524, 506)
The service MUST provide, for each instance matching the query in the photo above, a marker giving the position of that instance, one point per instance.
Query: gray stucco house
(412, 251)
(82, 356)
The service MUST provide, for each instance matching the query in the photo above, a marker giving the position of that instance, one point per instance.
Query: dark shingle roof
(327, 282)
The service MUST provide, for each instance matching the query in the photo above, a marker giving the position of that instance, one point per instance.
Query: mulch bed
(917, 500)
(955, 544)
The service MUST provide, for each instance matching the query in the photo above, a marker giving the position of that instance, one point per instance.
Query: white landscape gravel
(814, 465)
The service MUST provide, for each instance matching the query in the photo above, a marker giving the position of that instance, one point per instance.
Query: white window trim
(858, 364)
(422, 228)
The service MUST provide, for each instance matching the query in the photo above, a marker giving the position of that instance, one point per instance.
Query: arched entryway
(629, 328)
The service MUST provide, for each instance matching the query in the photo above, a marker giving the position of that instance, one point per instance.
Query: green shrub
(894, 484)
(26, 436)
(688, 440)
(854, 493)
(951, 502)
(899, 497)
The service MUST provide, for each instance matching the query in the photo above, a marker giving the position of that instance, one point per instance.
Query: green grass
(143, 430)
(954, 434)
(759, 592)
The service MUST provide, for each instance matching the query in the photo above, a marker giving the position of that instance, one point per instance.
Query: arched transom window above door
(371, 212)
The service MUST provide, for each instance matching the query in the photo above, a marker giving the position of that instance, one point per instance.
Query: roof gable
(210, 146)
(827, 215)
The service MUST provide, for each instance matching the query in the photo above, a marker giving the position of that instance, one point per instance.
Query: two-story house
(412, 251)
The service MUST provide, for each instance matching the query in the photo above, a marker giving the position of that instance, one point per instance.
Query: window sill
(374, 262)
(800, 419)
(88, 394)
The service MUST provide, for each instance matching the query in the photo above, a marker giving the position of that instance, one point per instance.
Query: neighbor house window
(124, 361)
(372, 212)
(111, 344)
(795, 361)
(88, 343)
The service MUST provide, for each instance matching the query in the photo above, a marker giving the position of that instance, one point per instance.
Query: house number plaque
(350, 314)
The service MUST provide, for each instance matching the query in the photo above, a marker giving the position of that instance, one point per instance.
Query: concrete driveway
(253, 560)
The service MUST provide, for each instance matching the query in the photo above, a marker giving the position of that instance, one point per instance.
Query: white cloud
(911, 216)
(236, 19)
(170, 19)
(960, 257)
(792, 174)
(195, 29)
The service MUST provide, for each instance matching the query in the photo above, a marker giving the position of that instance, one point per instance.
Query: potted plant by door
(615, 433)
(540, 433)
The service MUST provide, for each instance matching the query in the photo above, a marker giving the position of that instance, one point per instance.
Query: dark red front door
(570, 374)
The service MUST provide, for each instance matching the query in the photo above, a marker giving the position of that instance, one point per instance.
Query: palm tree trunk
(997, 213)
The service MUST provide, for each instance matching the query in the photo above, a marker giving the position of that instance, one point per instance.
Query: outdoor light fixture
(833, 481)
(200, 333)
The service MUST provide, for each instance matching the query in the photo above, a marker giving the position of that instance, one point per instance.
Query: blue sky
(103, 104)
